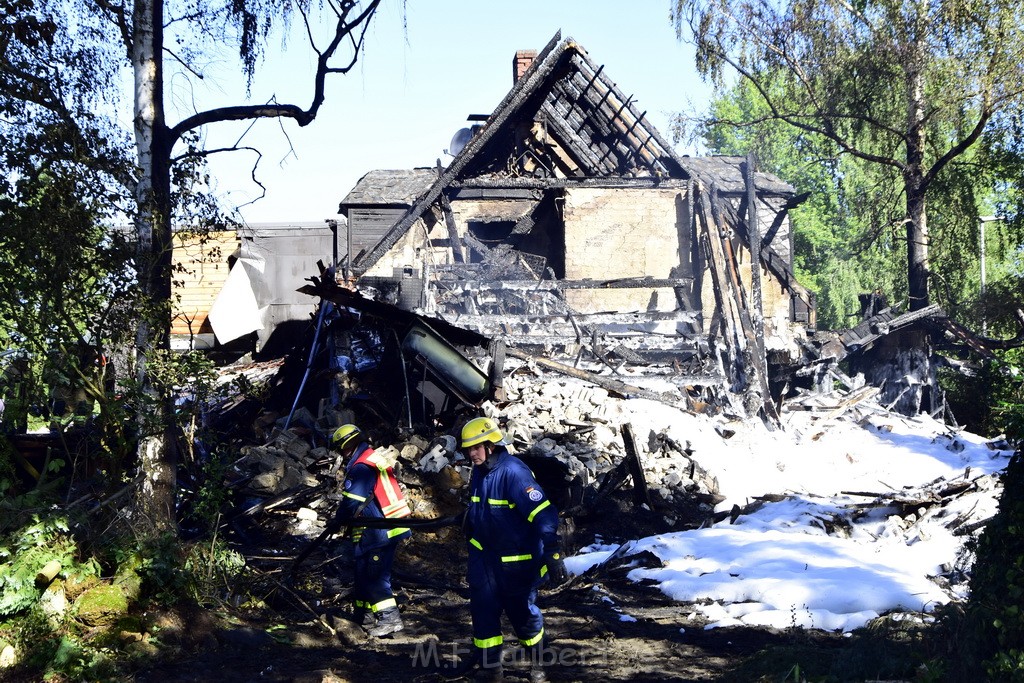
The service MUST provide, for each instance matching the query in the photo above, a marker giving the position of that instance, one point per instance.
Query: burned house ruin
(565, 225)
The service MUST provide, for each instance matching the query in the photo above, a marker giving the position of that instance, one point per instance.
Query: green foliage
(990, 401)
(846, 236)
(159, 564)
(890, 107)
(993, 624)
(212, 494)
(989, 634)
(172, 571)
(26, 550)
(842, 234)
(216, 572)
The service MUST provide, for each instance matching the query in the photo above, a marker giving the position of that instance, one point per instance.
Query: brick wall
(619, 233)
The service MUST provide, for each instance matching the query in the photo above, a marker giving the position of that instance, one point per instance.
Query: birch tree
(906, 85)
(133, 36)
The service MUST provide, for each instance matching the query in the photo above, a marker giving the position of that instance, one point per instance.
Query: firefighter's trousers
(497, 586)
(371, 588)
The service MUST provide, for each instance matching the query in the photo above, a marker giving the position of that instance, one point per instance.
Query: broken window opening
(490, 232)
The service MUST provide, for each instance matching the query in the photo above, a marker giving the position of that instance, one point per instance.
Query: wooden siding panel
(200, 270)
(369, 225)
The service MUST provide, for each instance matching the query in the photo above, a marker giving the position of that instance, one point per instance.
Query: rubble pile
(545, 416)
(282, 466)
(580, 425)
(289, 472)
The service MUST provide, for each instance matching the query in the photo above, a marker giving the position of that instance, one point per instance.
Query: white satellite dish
(459, 141)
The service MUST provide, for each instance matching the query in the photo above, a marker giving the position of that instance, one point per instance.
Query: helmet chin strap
(492, 456)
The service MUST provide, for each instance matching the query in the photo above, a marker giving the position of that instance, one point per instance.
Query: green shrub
(27, 550)
(173, 571)
(993, 629)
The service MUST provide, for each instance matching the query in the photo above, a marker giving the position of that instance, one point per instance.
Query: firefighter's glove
(557, 572)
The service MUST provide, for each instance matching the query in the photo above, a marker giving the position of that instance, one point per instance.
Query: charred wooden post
(760, 361)
(725, 298)
(449, 222)
(641, 496)
(496, 373)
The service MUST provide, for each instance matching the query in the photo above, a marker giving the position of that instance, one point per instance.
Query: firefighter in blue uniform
(513, 546)
(371, 490)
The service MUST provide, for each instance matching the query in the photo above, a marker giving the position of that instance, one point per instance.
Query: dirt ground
(600, 628)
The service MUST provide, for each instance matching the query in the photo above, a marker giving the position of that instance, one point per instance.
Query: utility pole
(982, 220)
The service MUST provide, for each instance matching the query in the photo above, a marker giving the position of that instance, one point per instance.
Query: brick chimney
(522, 62)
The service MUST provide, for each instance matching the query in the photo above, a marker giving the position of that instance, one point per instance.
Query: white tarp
(236, 311)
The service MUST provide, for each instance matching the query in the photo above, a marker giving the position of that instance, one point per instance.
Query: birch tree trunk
(156, 496)
(914, 171)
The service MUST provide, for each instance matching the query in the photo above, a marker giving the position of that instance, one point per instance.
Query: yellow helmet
(480, 429)
(344, 435)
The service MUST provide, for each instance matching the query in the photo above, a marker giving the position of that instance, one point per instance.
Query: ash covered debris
(358, 368)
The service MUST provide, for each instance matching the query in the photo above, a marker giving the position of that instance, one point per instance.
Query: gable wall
(425, 243)
(367, 225)
(621, 233)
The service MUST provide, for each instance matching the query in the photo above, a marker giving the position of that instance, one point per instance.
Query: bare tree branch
(344, 28)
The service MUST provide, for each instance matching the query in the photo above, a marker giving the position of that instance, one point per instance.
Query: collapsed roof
(566, 224)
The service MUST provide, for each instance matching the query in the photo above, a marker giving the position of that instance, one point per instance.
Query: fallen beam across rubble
(610, 384)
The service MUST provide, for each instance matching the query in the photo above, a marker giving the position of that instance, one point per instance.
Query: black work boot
(490, 674)
(388, 621)
(536, 657)
(364, 617)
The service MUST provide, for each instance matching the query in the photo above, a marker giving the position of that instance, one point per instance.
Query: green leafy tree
(62, 64)
(907, 88)
(841, 249)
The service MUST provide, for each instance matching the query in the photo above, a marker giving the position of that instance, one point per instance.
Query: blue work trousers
(496, 587)
(371, 587)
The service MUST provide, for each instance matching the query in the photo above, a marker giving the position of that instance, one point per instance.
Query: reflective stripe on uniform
(396, 531)
(537, 509)
(516, 558)
(399, 508)
(476, 544)
(474, 499)
(389, 495)
(527, 642)
(500, 503)
(484, 643)
(353, 496)
(397, 505)
(384, 604)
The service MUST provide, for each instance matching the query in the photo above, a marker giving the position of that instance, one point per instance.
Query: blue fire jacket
(509, 516)
(360, 480)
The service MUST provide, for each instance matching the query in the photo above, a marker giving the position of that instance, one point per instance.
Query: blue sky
(414, 88)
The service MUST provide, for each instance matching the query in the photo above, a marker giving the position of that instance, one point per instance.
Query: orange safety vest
(387, 491)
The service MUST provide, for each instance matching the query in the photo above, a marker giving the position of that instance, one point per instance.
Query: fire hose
(335, 526)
